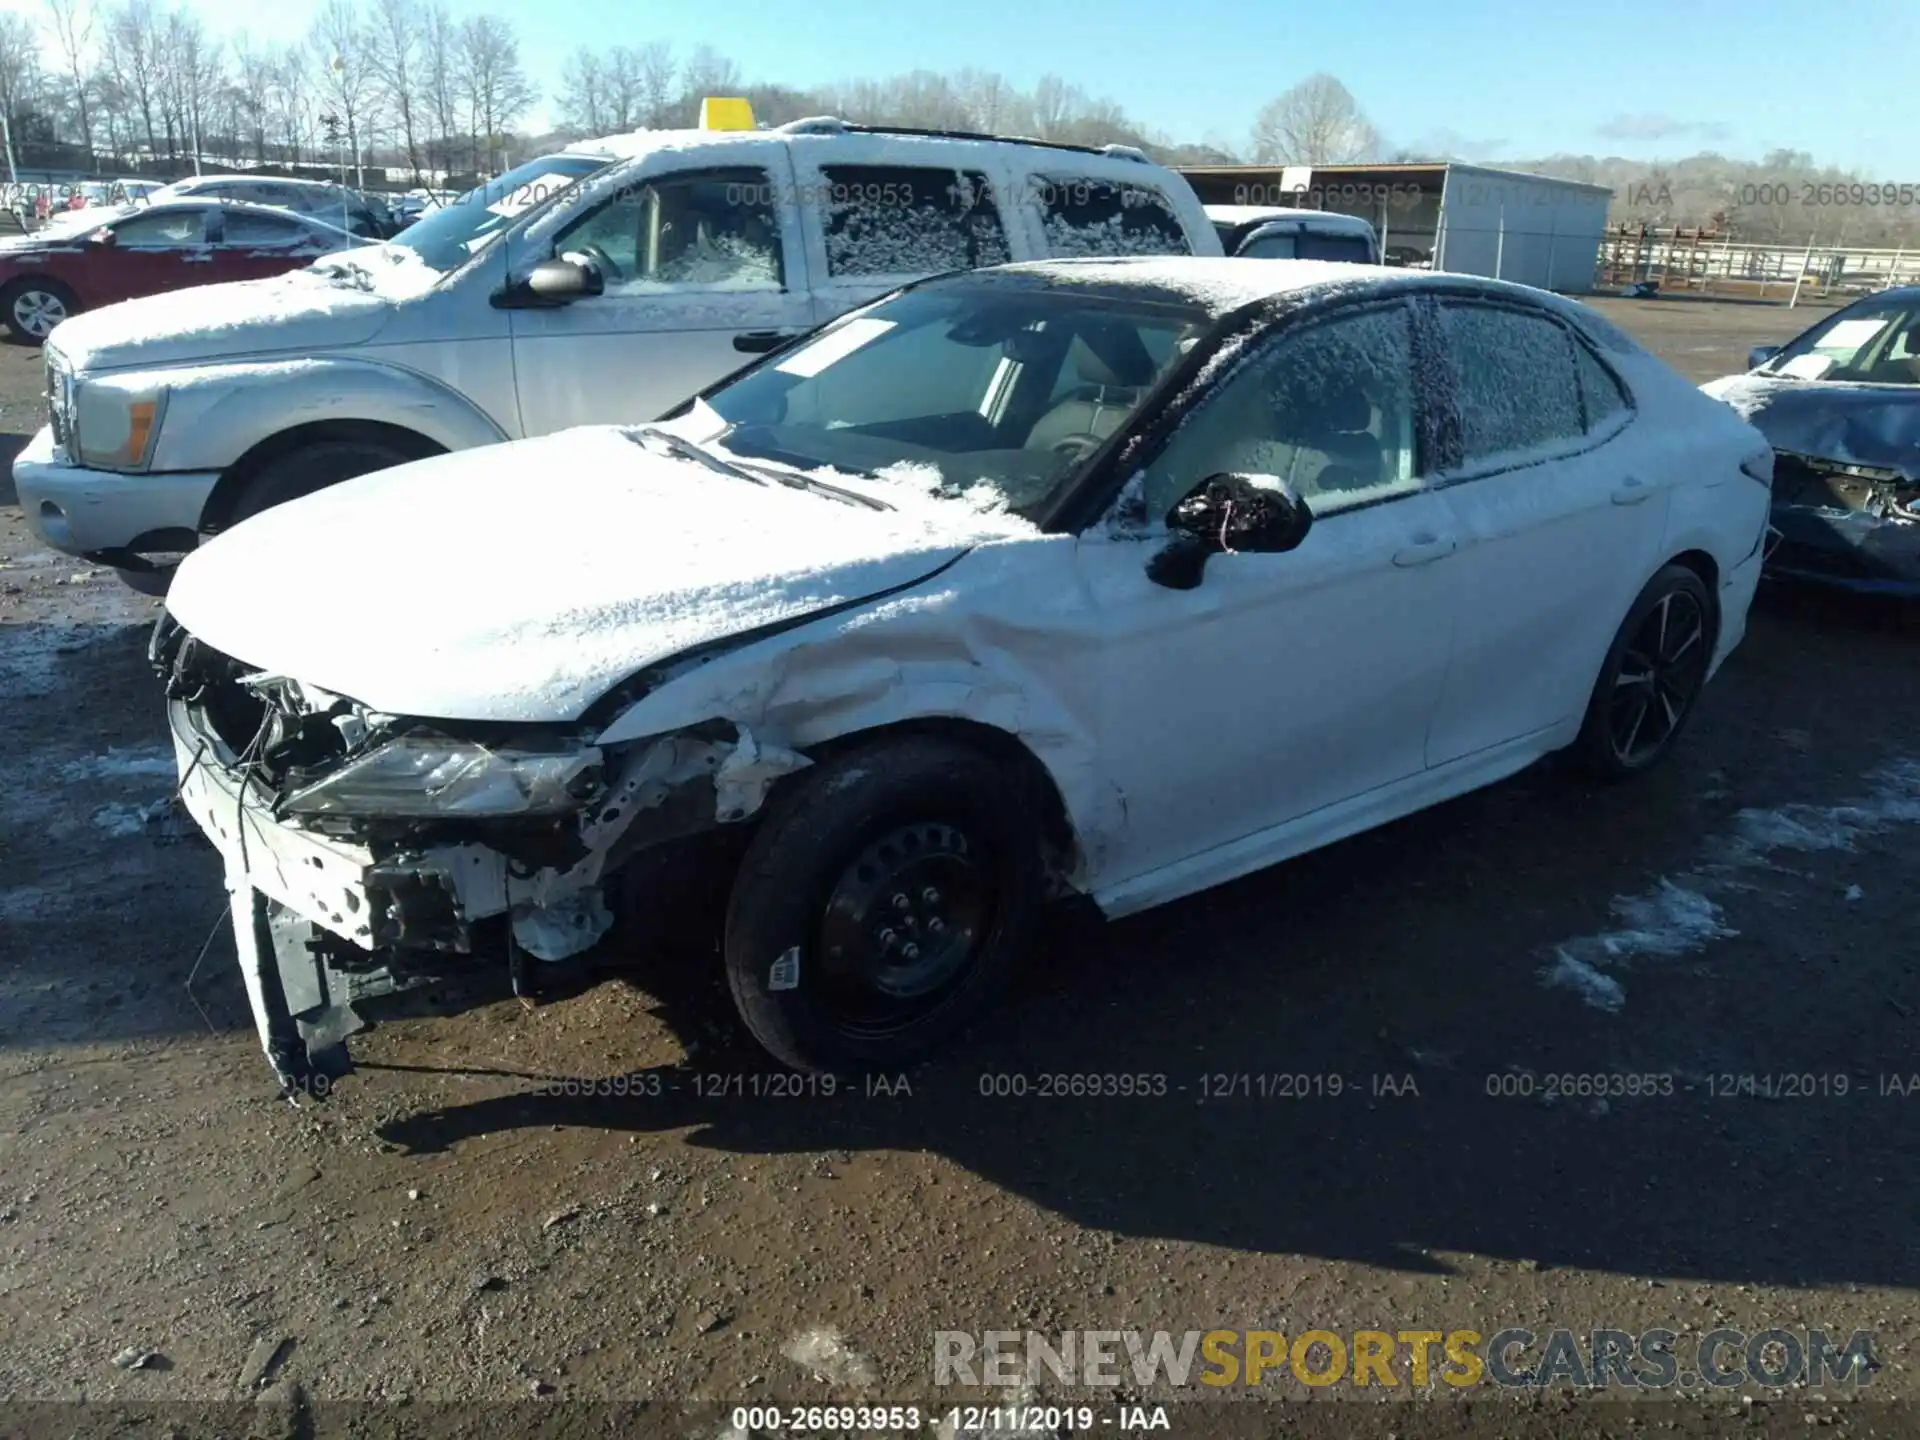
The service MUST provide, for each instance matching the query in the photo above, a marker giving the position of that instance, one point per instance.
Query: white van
(603, 284)
(1264, 232)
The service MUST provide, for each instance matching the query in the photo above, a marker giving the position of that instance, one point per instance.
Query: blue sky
(1489, 78)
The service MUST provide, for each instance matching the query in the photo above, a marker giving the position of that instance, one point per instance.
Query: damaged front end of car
(370, 854)
(1848, 525)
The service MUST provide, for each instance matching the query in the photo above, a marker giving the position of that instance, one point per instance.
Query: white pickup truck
(606, 283)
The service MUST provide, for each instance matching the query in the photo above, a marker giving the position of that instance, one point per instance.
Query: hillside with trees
(401, 89)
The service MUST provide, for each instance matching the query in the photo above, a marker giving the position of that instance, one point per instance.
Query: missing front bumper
(322, 922)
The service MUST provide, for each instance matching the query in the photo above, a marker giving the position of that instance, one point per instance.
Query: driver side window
(1328, 409)
(710, 230)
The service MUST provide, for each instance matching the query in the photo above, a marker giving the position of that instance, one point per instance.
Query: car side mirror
(1255, 514)
(551, 283)
(102, 236)
(1760, 355)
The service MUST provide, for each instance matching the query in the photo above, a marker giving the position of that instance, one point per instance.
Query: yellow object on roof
(726, 113)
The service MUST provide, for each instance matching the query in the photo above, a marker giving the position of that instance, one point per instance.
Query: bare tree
(72, 32)
(655, 75)
(623, 86)
(583, 91)
(292, 103)
(192, 78)
(707, 72)
(346, 80)
(990, 102)
(19, 75)
(442, 39)
(134, 62)
(1053, 103)
(493, 83)
(396, 35)
(253, 94)
(1317, 122)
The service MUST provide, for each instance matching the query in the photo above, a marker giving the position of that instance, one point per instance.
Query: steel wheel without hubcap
(1659, 676)
(36, 312)
(903, 925)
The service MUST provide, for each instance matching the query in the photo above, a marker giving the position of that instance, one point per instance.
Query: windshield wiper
(800, 480)
(346, 272)
(760, 474)
(682, 448)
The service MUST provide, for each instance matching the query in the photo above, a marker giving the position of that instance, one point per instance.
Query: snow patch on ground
(824, 1353)
(30, 655)
(122, 820)
(120, 764)
(1567, 972)
(1680, 915)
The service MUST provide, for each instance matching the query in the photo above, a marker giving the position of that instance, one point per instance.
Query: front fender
(907, 661)
(217, 413)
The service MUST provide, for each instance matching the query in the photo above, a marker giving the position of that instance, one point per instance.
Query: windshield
(1877, 343)
(998, 394)
(449, 237)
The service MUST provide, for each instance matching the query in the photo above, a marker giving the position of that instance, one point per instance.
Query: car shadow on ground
(1321, 1046)
(1329, 1047)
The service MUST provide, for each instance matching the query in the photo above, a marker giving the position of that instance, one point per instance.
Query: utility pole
(6, 128)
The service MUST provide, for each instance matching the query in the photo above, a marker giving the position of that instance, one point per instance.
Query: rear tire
(1652, 678)
(32, 307)
(884, 898)
(311, 468)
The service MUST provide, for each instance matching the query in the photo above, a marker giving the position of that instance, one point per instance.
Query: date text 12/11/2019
(955, 1420)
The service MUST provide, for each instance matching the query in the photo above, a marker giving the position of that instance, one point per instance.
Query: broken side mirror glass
(1224, 514)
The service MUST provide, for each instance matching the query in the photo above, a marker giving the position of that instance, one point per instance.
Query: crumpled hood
(301, 311)
(522, 581)
(1872, 425)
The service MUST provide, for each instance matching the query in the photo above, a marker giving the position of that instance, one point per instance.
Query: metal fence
(1710, 263)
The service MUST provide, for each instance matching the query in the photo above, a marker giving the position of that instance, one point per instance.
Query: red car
(84, 259)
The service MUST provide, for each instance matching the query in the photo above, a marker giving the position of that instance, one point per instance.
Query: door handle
(1425, 550)
(1632, 491)
(759, 342)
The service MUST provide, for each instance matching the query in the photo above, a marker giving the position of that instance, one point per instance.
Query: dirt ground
(452, 1226)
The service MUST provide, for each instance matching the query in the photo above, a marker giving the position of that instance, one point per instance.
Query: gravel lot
(442, 1230)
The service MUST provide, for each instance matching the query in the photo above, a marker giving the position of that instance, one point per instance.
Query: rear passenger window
(910, 220)
(249, 228)
(1351, 248)
(1599, 391)
(1103, 217)
(1268, 247)
(1514, 381)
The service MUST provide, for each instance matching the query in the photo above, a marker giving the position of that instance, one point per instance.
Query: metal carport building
(1471, 219)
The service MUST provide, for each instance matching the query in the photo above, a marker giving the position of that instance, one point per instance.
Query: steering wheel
(1076, 447)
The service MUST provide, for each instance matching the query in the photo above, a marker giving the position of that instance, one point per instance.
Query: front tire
(311, 468)
(884, 898)
(32, 308)
(1652, 678)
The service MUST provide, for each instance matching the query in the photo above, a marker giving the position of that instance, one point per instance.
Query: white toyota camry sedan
(1112, 578)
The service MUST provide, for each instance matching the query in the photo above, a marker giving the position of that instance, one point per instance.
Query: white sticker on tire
(784, 973)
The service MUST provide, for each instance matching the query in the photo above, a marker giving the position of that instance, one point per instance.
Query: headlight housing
(113, 427)
(428, 776)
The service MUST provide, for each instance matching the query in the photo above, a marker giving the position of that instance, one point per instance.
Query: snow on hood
(522, 581)
(303, 310)
(1873, 425)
